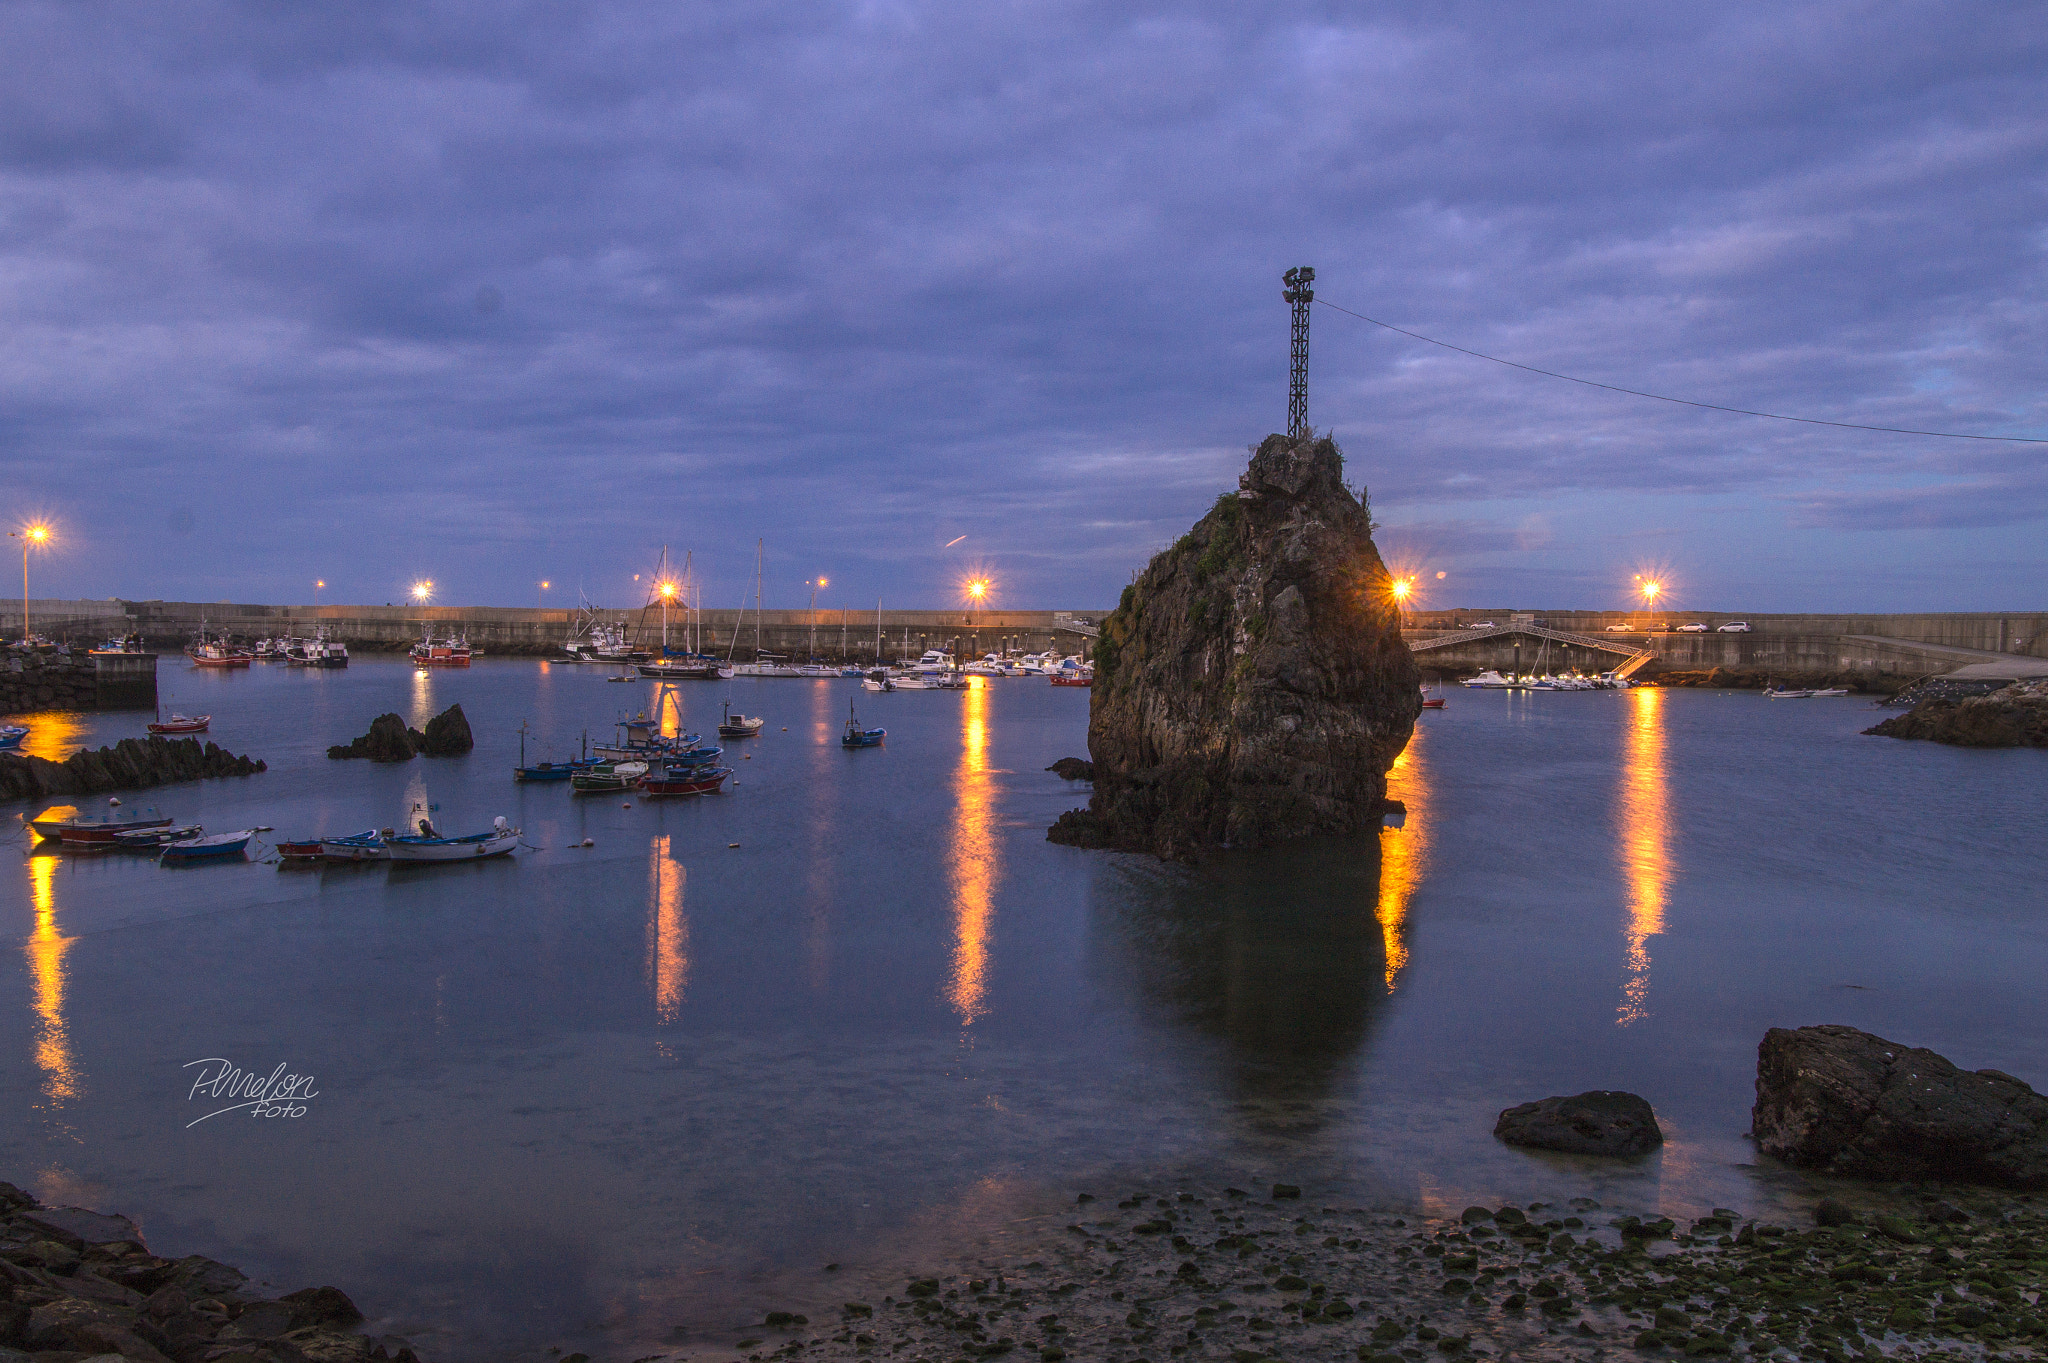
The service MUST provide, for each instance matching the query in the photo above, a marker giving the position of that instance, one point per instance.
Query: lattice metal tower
(1300, 292)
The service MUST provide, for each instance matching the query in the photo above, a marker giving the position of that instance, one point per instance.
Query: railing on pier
(1636, 657)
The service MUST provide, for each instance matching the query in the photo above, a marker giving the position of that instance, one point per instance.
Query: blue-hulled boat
(11, 736)
(211, 847)
(857, 737)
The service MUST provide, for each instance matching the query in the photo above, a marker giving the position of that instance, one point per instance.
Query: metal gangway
(1636, 657)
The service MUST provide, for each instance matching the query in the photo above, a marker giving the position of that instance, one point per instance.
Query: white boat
(878, 680)
(1491, 680)
(1786, 693)
(934, 661)
(1832, 691)
(428, 845)
(767, 665)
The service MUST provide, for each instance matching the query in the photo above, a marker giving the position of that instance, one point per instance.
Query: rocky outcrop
(447, 734)
(390, 740)
(131, 764)
(2014, 717)
(1073, 769)
(1846, 1102)
(77, 1284)
(1601, 1122)
(1252, 685)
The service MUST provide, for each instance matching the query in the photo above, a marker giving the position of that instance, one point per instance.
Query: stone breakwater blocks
(2015, 716)
(1601, 1122)
(1843, 1101)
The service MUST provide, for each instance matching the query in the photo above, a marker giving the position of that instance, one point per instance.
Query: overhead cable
(1683, 402)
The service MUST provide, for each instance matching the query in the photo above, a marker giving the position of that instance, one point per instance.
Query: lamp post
(30, 536)
(318, 583)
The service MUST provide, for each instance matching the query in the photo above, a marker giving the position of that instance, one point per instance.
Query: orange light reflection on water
(52, 734)
(1404, 852)
(46, 947)
(973, 859)
(1644, 843)
(668, 931)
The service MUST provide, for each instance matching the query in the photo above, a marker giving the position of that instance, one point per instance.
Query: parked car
(1693, 627)
(1482, 624)
(1735, 627)
(1619, 629)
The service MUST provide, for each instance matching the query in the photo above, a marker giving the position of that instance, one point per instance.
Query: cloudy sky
(497, 293)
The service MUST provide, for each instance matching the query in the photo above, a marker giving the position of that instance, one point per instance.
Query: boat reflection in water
(1275, 954)
(973, 856)
(1404, 852)
(1643, 842)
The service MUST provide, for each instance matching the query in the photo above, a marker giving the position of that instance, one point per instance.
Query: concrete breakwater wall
(48, 681)
(520, 630)
(1788, 655)
(2017, 632)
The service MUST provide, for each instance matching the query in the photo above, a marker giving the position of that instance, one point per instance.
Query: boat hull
(206, 849)
(705, 782)
(422, 850)
(363, 847)
(90, 832)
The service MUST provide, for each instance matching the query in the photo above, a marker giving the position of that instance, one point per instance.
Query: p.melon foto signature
(279, 1095)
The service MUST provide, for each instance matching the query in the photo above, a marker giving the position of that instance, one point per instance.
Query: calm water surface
(623, 1097)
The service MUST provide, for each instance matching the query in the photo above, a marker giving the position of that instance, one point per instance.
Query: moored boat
(428, 845)
(181, 724)
(318, 651)
(859, 737)
(731, 725)
(1073, 679)
(682, 667)
(1433, 703)
(307, 849)
(11, 736)
(209, 847)
(684, 778)
(606, 777)
(213, 653)
(449, 652)
(367, 845)
(68, 823)
(149, 839)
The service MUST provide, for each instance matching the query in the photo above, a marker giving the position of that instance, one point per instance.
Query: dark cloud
(848, 275)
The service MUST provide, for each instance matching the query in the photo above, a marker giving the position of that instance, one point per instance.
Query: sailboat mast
(758, 549)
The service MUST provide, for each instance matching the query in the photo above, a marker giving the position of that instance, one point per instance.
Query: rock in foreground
(1846, 1102)
(1252, 685)
(2015, 717)
(1601, 1122)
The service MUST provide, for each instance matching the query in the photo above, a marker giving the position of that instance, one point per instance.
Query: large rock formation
(131, 764)
(2015, 717)
(1252, 685)
(390, 740)
(1847, 1102)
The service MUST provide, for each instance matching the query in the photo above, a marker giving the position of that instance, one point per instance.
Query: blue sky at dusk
(497, 293)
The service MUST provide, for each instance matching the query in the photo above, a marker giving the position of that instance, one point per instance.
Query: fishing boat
(448, 652)
(1063, 677)
(685, 778)
(549, 771)
(858, 737)
(69, 824)
(149, 839)
(307, 849)
(209, 847)
(1433, 703)
(603, 778)
(1786, 693)
(11, 736)
(367, 845)
(180, 724)
(318, 651)
(428, 845)
(731, 725)
(878, 680)
(207, 652)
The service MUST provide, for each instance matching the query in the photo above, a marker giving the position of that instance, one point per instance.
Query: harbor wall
(167, 625)
(49, 681)
(2024, 633)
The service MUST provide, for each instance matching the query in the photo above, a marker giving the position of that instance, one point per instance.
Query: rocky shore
(131, 764)
(389, 740)
(2014, 716)
(82, 1287)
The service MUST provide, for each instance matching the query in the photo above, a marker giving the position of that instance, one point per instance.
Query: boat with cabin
(449, 652)
(857, 736)
(731, 725)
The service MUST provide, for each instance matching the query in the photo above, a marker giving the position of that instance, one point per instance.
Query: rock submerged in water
(1601, 1122)
(1846, 1102)
(1073, 769)
(2015, 717)
(1252, 685)
(389, 740)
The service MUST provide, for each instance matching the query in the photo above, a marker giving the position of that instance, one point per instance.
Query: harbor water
(855, 1010)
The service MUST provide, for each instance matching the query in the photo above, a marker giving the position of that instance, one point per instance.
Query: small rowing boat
(210, 847)
(365, 846)
(605, 777)
(150, 839)
(302, 850)
(68, 823)
(11, 736)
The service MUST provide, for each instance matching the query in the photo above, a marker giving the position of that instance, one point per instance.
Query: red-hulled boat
(181, 724)
(449, 652)
(681, 779)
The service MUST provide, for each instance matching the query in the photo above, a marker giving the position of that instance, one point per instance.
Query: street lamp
(30, 536)
(540, 587)
(423, 591)
(318, 583)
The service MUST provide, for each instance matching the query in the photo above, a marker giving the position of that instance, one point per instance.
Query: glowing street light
(423, 591)
(1651, 590)
(318, 583)
(1402, 588)
(31, 536)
